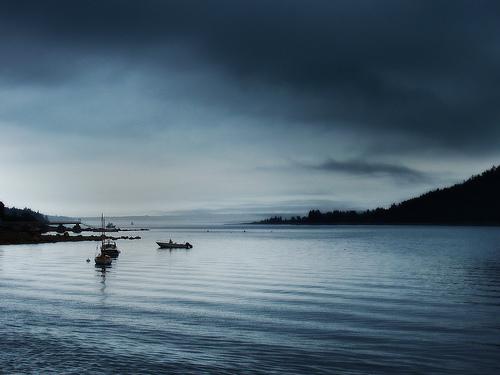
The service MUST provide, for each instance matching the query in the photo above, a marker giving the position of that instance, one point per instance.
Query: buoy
(88, 260)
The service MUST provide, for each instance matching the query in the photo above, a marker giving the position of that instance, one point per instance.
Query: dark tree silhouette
(26, 215)
(475, 201)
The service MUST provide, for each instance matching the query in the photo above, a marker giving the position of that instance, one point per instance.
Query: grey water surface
(304, 300)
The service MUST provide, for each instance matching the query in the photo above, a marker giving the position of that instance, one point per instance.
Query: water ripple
(350, 300)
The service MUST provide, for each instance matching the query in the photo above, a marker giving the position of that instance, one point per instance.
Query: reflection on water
(101, 273)
(162, 250)
(350, 300)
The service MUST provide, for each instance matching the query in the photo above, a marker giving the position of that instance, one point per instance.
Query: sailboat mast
(102, 226)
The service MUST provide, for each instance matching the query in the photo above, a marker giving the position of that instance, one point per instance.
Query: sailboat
(103, 259)
(108, 247)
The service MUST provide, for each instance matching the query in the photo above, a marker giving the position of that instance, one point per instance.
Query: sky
(263, 106)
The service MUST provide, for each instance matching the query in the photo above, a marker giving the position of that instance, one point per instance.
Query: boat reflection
(101, 272)
(163, 250)
(103, 268)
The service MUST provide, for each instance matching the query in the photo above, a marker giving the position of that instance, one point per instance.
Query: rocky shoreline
(23, 238)
(25, 226)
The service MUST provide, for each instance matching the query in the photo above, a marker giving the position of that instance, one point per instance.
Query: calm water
(350, 300)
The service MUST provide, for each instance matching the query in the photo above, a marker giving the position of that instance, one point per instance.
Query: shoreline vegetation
(25, 226)
(475, 201)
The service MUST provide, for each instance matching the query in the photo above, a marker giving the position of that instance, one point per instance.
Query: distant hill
(475, 201)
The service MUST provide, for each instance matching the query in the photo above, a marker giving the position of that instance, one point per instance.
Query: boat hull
(173, 245)
(103, 260)
(113, 253)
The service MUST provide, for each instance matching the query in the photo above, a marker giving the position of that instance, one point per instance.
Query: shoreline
(494, 224)
(24, 238)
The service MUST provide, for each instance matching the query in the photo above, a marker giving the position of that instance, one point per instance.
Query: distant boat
(110, 226)
(103, 259)
(174, 245)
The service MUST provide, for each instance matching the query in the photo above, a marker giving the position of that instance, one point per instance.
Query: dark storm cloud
(424, 70)
(371, 169)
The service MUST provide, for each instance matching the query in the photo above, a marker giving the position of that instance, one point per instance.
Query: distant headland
(475, 201)
(25, 226)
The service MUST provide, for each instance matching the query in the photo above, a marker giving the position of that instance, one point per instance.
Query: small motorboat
(174, 245)
(109, 248)
(103, 260)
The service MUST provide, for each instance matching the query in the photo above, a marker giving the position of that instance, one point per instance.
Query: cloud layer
(426, 70)
(400, 173)
(362, 89)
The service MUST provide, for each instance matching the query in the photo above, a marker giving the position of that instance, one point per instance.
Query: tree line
(474, 201)
(14, 214)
